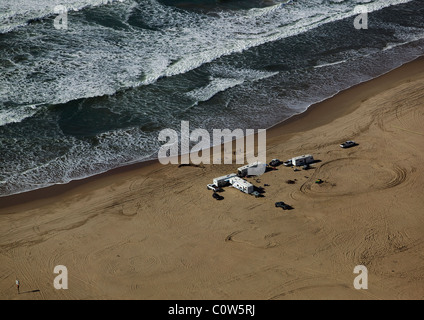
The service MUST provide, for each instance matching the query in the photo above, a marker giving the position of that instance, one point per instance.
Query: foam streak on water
(94, 60)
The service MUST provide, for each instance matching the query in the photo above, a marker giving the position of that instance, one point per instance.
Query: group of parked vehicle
(304, 161)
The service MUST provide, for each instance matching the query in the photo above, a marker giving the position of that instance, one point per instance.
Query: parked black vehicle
(217, 196)
(283, 205)
(275, 162)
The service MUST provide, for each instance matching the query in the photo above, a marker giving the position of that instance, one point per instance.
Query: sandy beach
(153, 231)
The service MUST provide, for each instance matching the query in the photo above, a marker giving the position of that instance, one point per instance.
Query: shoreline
(316, 115)
(339, 98)
(156, 232)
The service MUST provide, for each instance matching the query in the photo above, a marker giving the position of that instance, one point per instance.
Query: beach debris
(319, 181)
(230, 236)
(290, 181)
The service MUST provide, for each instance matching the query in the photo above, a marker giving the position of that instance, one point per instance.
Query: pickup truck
(214, 188)
(348, 144)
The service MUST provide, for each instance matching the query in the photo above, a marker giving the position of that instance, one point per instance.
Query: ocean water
(79, 101)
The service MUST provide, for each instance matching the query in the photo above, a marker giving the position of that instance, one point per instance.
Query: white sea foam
(18, 13)
(184, 41)
(216, 85)
(81, 160)
(225, 78)
(17, 114)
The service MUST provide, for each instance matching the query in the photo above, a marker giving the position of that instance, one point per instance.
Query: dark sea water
(79, 101)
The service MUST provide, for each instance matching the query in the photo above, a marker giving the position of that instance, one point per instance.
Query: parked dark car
(217, 196)
(275, 162)
(283, 205)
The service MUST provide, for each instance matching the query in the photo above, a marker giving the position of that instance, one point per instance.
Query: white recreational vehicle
(252, 169)
(242, 185)
(300, 160)
(224, 180)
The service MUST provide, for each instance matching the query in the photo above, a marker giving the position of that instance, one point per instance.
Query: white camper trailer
(224, 180)
(302, 160)
(242, 185)
(252, 169)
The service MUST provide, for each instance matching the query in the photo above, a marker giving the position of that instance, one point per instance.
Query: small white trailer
(300, 160)
(224, 180)
(252, 169)
(242, 185)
